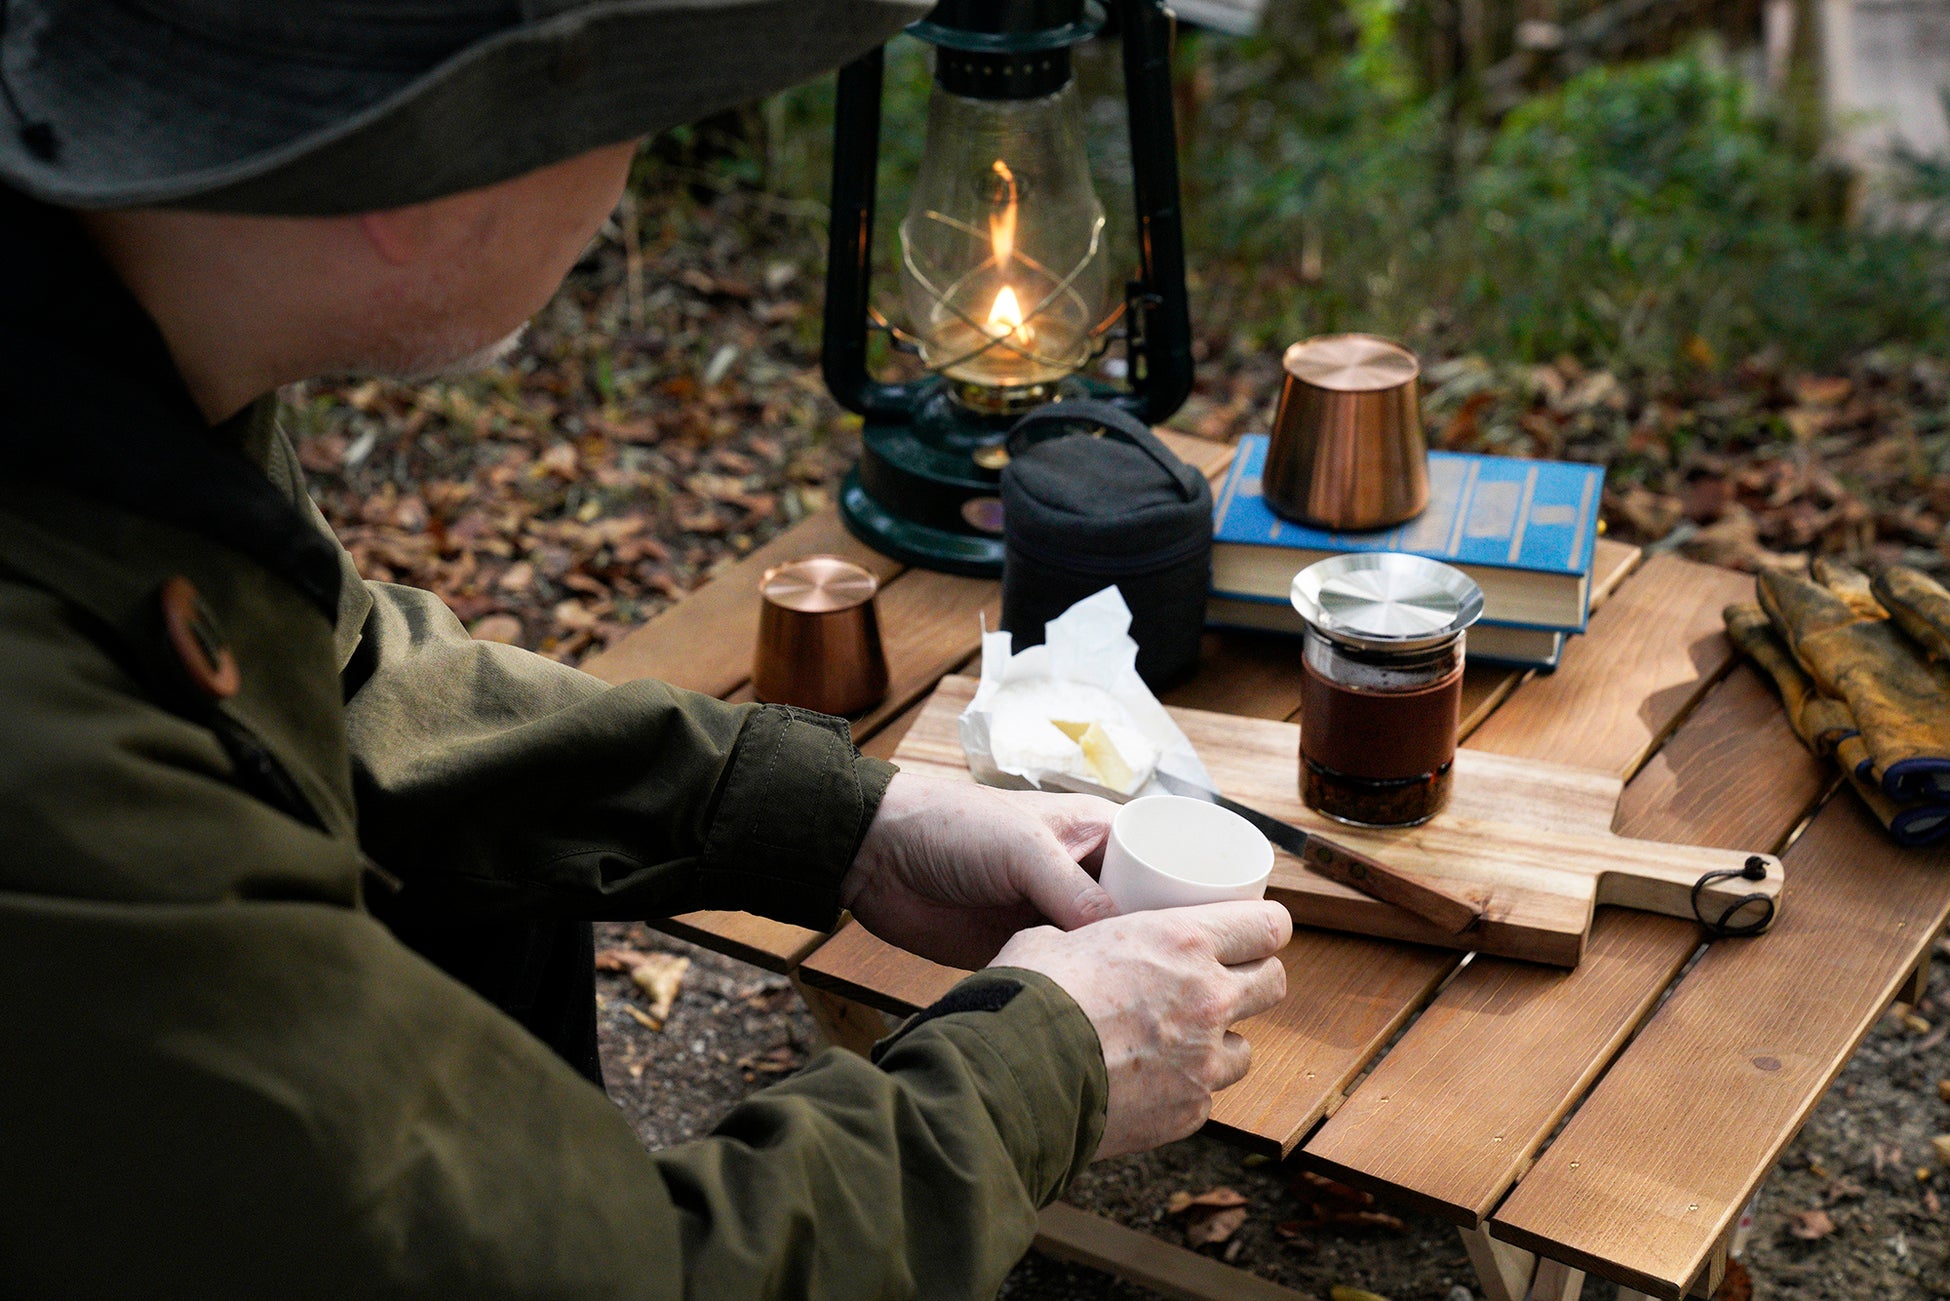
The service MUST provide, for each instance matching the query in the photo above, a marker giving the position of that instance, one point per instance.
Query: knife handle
(1379, 881)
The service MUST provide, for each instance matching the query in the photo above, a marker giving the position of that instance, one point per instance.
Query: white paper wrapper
(1085, 671)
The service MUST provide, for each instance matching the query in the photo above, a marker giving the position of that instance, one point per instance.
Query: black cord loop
(1724, 927)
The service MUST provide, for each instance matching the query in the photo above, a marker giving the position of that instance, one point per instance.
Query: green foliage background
(1649, 218)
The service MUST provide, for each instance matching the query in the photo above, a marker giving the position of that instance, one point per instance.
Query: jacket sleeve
(497, 781)
(242, 1100)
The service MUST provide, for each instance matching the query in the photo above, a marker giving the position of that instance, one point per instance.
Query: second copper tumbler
(819, 638)
(1347, 451)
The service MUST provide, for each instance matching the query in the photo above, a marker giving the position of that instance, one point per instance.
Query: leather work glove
(1919, 604)
(1898, 696)
(1826, 726)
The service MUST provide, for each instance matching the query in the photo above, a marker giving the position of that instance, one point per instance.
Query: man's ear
(399, 235)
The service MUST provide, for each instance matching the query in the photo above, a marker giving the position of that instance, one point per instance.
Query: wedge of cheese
(1098, 751)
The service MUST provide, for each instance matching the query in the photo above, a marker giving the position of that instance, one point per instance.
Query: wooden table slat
(1451, 1117)
(859, 965)
(1648, 655)
(1734, 775)
(1654, 1168)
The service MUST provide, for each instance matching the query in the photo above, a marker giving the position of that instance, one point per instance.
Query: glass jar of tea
(1381, 688)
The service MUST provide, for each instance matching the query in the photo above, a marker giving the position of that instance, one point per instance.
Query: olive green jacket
(221, 1076)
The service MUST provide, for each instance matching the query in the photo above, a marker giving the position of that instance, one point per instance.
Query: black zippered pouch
(1091, 498)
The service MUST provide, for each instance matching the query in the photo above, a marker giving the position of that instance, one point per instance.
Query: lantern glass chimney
(1002, 258)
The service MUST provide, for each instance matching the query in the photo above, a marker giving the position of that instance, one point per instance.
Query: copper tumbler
(1347, 451)
(818, 638)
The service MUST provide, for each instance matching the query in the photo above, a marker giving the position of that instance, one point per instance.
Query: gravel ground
(1864, 1159)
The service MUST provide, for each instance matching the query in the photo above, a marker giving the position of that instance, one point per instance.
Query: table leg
(1556, 1282)
(1917, 985)
(1503, 1270)
(843, 1023)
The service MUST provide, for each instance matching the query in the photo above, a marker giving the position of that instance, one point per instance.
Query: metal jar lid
(1385, 600)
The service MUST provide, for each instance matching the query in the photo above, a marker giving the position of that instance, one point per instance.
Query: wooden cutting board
(1530, 842)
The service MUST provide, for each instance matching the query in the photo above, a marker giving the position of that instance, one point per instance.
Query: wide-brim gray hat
(312, 107)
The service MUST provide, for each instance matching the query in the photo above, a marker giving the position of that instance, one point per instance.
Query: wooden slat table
(1671, 1074)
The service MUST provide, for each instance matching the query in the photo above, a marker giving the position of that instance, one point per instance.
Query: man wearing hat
(295, 878)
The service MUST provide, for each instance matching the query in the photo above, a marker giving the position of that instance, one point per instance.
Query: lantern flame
(1005, 318)
(1002, 219)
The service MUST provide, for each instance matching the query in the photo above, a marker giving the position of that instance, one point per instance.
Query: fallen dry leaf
(1648, 514)
(619, 959)
(782, 1059)
(1217, 1198)
(1738, 1285)
(1942, 1145)
(1810, 1225)
(1370, 1220)
(660, 976)
(1319, 1189)
(1217, 1227)
(498, 627)
(1841, 1190)
(1943, 1090)
(1340, 1293)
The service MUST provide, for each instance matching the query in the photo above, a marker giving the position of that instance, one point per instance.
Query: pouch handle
(1055, 419)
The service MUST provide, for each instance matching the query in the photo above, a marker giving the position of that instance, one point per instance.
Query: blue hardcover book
(1524, 530)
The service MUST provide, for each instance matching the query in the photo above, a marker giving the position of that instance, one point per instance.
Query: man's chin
(472, 363)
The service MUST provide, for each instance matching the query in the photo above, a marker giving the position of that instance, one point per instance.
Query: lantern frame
(926, 489)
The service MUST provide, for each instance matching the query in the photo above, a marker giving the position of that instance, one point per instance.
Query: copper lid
(1352, 363)
(818, 585)
(818, 637)
(1346, 451)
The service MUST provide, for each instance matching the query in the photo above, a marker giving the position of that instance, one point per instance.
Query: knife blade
(1349, 867)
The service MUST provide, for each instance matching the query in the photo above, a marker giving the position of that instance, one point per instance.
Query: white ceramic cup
(1167, 851)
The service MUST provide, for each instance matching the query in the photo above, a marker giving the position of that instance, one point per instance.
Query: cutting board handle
(1717, 888)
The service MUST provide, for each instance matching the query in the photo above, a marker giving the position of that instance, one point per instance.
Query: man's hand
(950, 869)
(1162, 989)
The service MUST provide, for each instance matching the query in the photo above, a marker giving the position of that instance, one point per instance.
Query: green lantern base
(927, 489)
(972, 555)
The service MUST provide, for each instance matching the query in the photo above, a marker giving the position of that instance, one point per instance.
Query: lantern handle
(1055, 419)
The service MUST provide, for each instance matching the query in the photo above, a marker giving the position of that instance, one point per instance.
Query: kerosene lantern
(1005, 266)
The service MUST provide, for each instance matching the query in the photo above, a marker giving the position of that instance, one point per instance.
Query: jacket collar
(90, 401)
